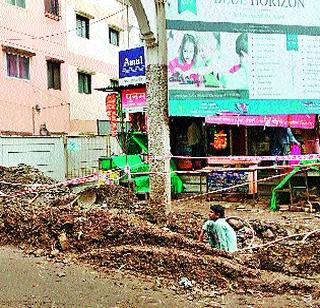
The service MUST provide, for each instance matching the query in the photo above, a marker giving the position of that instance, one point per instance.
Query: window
(53, 71)
(52, 7)
(114, 83)
(20, 3)
(84, 83)
(17, 66)
(82, 26)
(114, 37)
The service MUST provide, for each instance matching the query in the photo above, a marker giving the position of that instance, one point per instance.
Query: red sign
(111, 108)
(134, 99)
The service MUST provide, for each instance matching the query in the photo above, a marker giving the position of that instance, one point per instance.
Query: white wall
(94, 55)
(97, 46)
(87, 106)
(43, 153)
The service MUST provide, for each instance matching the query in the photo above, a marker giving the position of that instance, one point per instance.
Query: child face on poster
(208, 45)
(188, 49)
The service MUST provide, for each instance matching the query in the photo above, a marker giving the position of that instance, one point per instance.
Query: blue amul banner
(132, 62)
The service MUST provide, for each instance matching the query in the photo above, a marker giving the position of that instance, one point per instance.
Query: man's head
(216, 212)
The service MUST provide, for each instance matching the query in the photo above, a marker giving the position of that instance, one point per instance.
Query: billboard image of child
(237, 76)
(180, 66)
(195, 61)
(209, 58)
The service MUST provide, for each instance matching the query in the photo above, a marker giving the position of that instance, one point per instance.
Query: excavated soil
(116, 233)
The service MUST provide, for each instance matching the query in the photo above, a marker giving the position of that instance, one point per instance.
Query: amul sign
(132, 66)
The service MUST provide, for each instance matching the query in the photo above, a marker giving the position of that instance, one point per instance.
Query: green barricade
(296, 169)
(138, 166)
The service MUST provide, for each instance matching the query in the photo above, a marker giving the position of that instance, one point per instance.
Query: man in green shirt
(219, 233)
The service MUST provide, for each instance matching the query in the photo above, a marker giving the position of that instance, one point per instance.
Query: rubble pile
(173, 263)
(114, 197)
(187, 224)
(267, 229)
(86, 230)
(111, 240)
(21, 175)
(114, 232)
(292, 258)
(24, 178)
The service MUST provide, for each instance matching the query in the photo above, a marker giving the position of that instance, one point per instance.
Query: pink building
(55, 54)
(34, 92)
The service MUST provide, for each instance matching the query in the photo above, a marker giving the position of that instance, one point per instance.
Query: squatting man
(219, 233)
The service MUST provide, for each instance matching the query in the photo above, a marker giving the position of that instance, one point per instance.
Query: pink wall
(18, 96)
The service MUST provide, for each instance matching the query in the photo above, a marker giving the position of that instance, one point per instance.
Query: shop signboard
(134, 100)
(250, 57)
(295, 120)
(132, 66)
(111, 108)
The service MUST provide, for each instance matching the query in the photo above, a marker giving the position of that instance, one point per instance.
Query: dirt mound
(187, 224)
(292, 258)
(87, 230)
(172, 263)
(115, 231)
(268, 228)
(34, 186)
(30, 182)
(123, 240)
(114, 197)
(110, 240)
(22, 175)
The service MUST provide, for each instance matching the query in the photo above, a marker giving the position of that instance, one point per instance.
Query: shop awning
(306, 121)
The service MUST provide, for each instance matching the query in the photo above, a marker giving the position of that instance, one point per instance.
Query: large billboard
(247, 57)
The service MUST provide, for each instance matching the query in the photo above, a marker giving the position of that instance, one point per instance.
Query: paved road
(28, 281)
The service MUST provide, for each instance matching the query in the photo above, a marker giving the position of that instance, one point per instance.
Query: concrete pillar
(158, 136)
(157, 99)
(158, 119)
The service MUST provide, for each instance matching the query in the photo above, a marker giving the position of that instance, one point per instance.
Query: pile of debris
(113, 197)
(187, 224)
(300, 259)
(114, 233)
(25, 185)
(112, 240)
(21, 175)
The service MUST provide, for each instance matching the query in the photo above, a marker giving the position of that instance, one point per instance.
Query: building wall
(133, 37)
(29, 29)
(65, 110)
(95, 56)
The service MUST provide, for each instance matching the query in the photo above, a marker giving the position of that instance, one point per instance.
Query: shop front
(238, 137)
(244, 78)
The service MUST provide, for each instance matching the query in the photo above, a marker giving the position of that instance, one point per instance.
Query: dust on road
(28, 281)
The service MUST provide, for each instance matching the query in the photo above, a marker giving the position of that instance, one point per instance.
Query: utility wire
(57, 33)
(35, 88)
